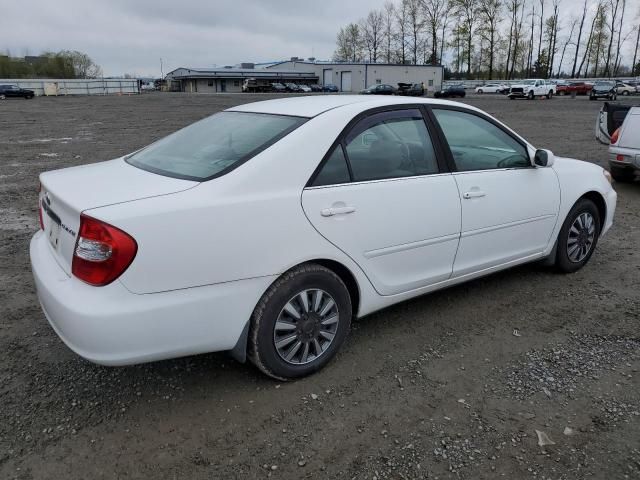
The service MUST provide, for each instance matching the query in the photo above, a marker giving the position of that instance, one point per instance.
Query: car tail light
(40, 207)
(615, 136)
(103, 252)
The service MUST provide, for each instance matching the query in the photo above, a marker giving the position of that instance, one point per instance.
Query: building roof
(376, 64)
(183, 72)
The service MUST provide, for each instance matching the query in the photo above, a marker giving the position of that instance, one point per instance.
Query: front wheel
(530, 96)
(480, 91)
(578, 236)
(625, 92)
(300, 322)
(550, 94)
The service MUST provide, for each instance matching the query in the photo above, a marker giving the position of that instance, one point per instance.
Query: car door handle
(328, 212)
(473, 194)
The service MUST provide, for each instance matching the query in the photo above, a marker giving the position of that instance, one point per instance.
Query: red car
(581, 88)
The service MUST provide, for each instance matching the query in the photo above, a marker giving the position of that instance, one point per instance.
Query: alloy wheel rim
(581, 237)
(306, 326)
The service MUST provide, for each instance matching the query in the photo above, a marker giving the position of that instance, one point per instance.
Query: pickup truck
(253, 85)
(580, 88)
(531, 89)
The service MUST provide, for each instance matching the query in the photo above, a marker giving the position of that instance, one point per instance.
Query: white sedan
(265, 229)
(492, 88)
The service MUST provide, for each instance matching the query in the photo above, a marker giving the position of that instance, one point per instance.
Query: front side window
(390, 145)
(477, 144)
(214, 145)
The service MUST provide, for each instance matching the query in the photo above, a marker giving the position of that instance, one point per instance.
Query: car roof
(310, 106)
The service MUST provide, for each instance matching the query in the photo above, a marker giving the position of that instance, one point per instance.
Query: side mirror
(543, 158)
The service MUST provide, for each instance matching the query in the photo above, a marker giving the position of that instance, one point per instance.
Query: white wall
(96, 86)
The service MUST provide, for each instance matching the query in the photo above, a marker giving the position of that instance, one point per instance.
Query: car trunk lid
(66, 193)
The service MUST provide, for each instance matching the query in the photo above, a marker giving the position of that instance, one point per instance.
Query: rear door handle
(473, 194)
(329, 212)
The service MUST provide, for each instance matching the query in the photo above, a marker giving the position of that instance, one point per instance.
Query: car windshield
(214, 145)
(529, 82)
(604, 84)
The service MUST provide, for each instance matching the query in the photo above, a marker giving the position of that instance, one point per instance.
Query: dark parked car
(330, 87)
(7, 91)
(451, 91)
(411, 89)
(292, 87)
(278, 87)
(380, 89)
(603, 89)
(315, 87)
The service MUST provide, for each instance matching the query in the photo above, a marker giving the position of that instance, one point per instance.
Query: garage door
(327, 76)
(345, 81)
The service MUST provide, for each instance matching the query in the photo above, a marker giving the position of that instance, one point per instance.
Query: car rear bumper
(112, 326)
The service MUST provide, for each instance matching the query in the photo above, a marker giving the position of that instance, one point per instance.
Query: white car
(624, 151)
(492, 88)
(265, 229)
(531, 89)
(305, 88)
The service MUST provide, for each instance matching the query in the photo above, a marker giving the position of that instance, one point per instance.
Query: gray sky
(130, 36)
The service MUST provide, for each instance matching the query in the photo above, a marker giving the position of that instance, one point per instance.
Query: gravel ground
(438, 387)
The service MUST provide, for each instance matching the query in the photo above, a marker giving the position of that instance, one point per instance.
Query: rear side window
(215, 145)
(334, 171)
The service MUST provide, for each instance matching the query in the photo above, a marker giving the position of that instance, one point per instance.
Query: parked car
(305, 88)
(624, 151)
(492, 88)
(330, 87)
(148, 87)
(531, 89)
(12, 91)
(292, 87)
(256, 85)
(315, 87)
(581, 88)
(379, 89)
(410, 89)
(624, 88)
(562, 88)
(603, 89)
(278, 87)
(451, 91)
(222, 236)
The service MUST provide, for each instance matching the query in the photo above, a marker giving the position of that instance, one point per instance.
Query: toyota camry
(265, 229)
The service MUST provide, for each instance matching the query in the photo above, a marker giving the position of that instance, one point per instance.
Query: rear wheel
(578, 236)
(480, 91)
(300, 322)
(625, 92)
(622, 174)
(550, 94)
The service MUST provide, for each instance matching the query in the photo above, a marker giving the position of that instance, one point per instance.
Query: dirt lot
(438, 387)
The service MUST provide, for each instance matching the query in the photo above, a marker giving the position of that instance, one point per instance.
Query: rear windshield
(215, 145)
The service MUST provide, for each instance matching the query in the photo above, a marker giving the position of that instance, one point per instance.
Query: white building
(353, 77)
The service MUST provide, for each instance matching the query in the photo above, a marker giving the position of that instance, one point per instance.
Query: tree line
(486, 39)
(62, 64)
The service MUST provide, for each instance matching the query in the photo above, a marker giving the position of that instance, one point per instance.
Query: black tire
(622, 174)
(561, 93)
(511, 97)
(262, 350)
(550, 95)
(625, 92)
(530, 95)
(563, 262)
(591, 97)
(480, 91)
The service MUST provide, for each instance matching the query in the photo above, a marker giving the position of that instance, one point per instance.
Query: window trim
(434, 136)
(445, 144)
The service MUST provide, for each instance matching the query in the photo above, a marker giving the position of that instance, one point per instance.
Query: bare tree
(552, 26)
(348, 44)
(388, 17)
(371, 29)
(614, 6)
(587, 52)
(635, 52)
(402, 21)
(490, 11)
(575, 57)
(530, 55)
(618, 44)
(435, 12)
(541, 29)
(467, 11)
(416, 26)
(564, 48)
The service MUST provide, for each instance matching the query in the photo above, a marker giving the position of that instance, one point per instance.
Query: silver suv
(624, 151)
